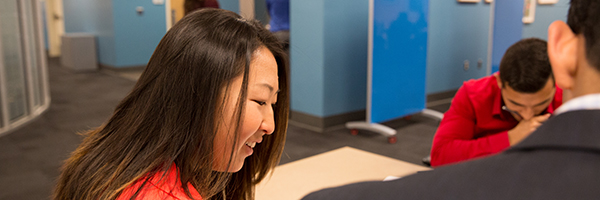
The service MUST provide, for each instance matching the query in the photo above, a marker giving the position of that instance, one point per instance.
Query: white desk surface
(341, 166)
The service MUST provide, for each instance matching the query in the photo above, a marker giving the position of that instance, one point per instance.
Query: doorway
(55, 25)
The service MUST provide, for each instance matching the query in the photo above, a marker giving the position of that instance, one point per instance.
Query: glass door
(24, 92)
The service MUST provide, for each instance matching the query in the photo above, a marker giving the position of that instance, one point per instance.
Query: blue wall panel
(136, 36)
(346, 41)
(457, 32)
(399, 58)
(328, 50)
(307, 56)
(508, 28)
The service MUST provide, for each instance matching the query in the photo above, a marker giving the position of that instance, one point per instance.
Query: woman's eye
(262, 103)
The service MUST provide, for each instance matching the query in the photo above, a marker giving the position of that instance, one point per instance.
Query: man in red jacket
(492, 113)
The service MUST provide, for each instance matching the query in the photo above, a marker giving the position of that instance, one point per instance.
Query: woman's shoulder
(160, 186)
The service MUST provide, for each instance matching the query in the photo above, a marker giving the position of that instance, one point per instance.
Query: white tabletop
(333, 168)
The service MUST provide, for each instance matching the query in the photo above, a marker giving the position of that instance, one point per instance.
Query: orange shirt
(161, 186)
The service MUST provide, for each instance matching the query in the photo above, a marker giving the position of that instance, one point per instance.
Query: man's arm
(455, 139)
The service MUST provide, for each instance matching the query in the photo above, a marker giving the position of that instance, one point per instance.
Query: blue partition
(508, 28)
(397, 64)
(399, 58)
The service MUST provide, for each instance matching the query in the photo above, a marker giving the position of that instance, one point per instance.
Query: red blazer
(475, 125)
(161, 186)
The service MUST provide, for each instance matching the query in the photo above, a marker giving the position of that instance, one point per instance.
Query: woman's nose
(268, 123)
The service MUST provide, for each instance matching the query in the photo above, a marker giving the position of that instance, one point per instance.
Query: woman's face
(257, 119)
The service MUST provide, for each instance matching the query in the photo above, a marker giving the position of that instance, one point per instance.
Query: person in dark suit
(560, 160)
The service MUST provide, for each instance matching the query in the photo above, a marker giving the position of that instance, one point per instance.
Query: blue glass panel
(399, 58)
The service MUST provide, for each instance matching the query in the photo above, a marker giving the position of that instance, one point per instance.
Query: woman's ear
(562, 51)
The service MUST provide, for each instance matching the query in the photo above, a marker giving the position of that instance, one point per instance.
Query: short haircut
(525, 66)
(584, 18)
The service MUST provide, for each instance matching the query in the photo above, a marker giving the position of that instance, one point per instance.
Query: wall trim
(322, 124)
(440, 98)
(336, 122)
(441, 95)
(121, 69)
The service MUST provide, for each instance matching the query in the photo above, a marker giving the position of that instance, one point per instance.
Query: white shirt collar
(586, 102)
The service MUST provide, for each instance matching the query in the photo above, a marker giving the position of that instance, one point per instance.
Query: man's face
(528, 105)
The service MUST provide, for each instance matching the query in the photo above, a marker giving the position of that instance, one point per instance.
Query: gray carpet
(31, 156)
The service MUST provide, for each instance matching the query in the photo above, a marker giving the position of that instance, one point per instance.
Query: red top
(475, 125)
(161, 186)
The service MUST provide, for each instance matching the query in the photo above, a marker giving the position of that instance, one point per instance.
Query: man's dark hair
(525, 66)
(584, 18)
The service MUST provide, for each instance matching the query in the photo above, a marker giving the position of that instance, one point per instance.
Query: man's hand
(524, 128)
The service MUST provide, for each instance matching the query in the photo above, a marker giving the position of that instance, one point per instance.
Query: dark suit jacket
(561, 160)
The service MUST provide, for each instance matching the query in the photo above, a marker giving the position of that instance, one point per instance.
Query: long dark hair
(169, 117)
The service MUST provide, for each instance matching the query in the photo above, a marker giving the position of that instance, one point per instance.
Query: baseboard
(121, 69)
(440, 98)
(441, 95)
(322, 124)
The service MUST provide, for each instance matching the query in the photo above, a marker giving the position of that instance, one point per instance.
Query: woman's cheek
(252, 121)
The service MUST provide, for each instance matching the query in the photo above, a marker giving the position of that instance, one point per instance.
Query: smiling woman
(257, 120)
(206, 120)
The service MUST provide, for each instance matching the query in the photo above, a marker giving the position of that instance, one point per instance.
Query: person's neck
(587, 81)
